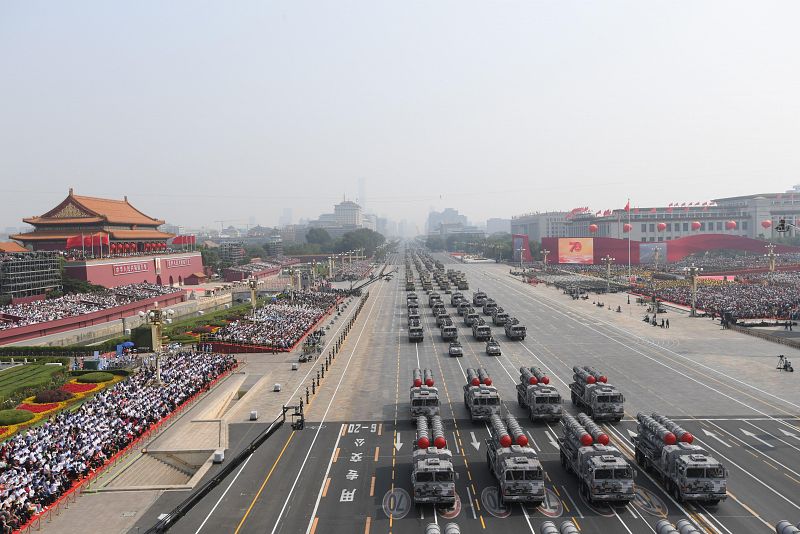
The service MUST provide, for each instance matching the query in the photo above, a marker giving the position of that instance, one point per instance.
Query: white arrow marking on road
(751, 435)
(475, 443)
(551, 439)
(789, 434)
(712, 435)
(398, 443)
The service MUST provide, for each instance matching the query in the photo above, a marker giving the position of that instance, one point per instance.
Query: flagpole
(83, 247)
(629, 240)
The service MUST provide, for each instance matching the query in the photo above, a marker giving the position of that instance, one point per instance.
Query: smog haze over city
(206, 111)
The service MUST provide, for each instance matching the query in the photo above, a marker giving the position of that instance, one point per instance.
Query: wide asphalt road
(349, 469)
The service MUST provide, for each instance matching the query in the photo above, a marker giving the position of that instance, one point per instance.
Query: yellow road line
(366, 525)
(263, 484)
(380, 429)
(325, 489)
(372, 488)
(336, 454)
(483, 525)
(377, 453)
(314, 525)
(576, 523)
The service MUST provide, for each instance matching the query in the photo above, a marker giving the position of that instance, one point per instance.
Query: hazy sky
(200, 111)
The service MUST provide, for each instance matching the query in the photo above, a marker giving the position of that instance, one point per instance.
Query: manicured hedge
(14, 417)
(96, 377)
(64, 361)
(117, 372)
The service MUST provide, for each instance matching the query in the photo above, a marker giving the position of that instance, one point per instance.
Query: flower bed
(40, 408)
(76, 388)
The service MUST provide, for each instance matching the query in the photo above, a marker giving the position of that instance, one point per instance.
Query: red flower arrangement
(74, 387)
(39, 408)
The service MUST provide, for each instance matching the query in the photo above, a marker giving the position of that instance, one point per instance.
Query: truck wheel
(638, 456)
(574, 399)
(676, 494)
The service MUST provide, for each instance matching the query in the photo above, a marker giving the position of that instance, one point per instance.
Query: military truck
(479, 298)
(441, 318)
(591, 391)
(462, 285)
(463, 307)
(455, 349)
(471, 317)
(415, 333)
(432, 472)
(499, 317)
(449, 332)
(424, 397)
(480, 396)
(439, 308)
(534, 394)
(455, 298)
(410, 285)
(493, 347)
(433, 297)
(412, 297)
(412, 305)
(481, 330)
(514, 330)
(515, 465)
(489, 306)
(603, 473)
(687, 471)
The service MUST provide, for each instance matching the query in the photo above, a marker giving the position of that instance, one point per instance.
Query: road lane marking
(336, 454)
(263, 484)
(325, 490)
(314, 526)
(223, 494)
(377, 453)
(372, 487)
(366, 525)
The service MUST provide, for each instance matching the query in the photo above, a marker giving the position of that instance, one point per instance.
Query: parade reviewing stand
(40, 464)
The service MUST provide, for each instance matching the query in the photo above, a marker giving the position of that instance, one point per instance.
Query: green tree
(363, 238)
(318, 236)
(435, 243)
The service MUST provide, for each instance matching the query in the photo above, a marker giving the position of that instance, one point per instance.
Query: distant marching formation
(661, 447)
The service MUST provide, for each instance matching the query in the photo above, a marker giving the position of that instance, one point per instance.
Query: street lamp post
(693, 271)
(253, 283)
(155, 318)
(770, 255)
(608, 260)
(545, 252)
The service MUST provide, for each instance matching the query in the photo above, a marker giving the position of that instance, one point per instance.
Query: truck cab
(492, 347)
(471, 317)
(415, 333)
(455, 349)
(489, 306)
(412, 305)
(481, 401)
(499, 318)
(413, 315)
(463, 307)
(433, 476)
(604, 473)
(455, 298)
(410, 285)
(433, 297)
(543, 402)
(462, 285)
(518, 472)
(424, 401)
(450, 333)
(481, 330)
(697, 476)
(438, 308)
(514, 330)
(478, 298)
(441, 317)
(603, 402)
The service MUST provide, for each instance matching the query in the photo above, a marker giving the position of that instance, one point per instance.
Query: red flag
(74, 242)
(628, 205)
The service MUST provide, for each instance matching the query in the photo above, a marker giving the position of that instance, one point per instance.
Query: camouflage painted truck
(591, 391)
(423, 396)
(515, 330)
(687, 471)
(515, 465)
(603, 473)
(480, 396)
(432, 472)
(535, 394)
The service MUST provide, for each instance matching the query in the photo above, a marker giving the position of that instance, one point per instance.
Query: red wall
(22, 333)
(114, 272)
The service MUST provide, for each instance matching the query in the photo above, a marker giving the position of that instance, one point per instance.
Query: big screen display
(576, 250)
(652, 252)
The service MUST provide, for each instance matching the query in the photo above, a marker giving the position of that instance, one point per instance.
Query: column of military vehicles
(604, 474)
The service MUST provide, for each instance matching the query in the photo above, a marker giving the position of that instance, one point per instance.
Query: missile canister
(574, 432)
(665, 527)
(452, 528)
(685, 526)
(527, 377)
(598, 376)
(516, 431)
(593, 429)
(428, 377)
(437, 429)
(654, 432)
(568, 527)
(472, 377)
(416, 378)
(423, 434)
(581, 375)
(486, 380)
(784, 527)
(548, 527)
(500, 432)
(682, 435)
(540, 376)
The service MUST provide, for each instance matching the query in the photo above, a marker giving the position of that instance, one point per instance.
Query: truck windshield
(623, 473)
(431, 402)
(444, 476)
(424, 477)
(418, 402)
(604, 474)
(695, 472)
(555, 400)
(715, 472)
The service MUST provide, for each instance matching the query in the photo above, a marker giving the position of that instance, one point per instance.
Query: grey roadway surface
(337, 475)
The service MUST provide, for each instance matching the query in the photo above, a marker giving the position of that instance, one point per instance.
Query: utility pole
(771, 256)
(545, 252)
(608, 260)
(253, 283)
(692, 271)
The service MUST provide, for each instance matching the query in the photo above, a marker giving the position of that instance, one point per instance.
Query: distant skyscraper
(286, 217)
